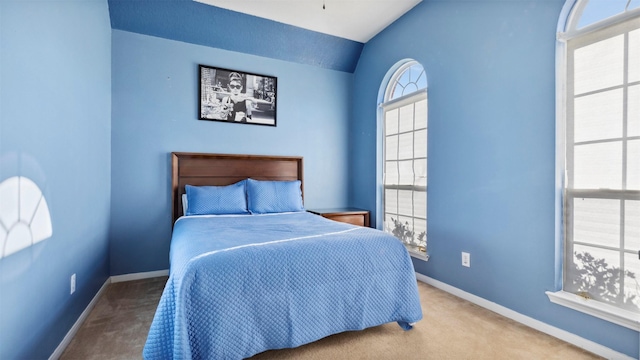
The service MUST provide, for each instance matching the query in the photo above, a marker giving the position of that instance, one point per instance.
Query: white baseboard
(139, 276)
(76, 326)
(528, 321)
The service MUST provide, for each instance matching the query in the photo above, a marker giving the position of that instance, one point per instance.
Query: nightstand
(347, 215)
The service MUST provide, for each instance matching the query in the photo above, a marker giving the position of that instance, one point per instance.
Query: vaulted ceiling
(357, 20)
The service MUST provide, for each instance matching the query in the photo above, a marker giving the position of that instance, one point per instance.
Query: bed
(271, 276)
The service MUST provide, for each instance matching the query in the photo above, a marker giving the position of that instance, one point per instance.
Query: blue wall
(197, 23)
(491, 73)
(55, 116)
(155, 112)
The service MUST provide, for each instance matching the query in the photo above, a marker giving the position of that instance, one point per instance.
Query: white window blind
(602, 185)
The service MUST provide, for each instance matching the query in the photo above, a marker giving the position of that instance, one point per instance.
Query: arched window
(599, 155)
(404, 112)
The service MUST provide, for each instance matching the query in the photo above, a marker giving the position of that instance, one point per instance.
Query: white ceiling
(357, 20)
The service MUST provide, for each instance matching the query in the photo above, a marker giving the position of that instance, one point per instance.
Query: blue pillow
(217, 200)
(265, 197)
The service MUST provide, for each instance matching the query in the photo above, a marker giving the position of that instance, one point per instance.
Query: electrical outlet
(73, 283)
(466, 259)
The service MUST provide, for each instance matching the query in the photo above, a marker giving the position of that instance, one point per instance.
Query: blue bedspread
(240, 285)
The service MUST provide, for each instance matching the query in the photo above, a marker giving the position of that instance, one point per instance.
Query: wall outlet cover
(466, 259)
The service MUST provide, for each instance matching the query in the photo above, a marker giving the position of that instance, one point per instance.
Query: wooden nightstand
(347, 215)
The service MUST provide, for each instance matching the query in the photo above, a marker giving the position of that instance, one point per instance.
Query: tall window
(602, 153)
(405, 157)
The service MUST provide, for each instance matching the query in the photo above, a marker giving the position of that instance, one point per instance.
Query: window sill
(416, 253)
(595, 308)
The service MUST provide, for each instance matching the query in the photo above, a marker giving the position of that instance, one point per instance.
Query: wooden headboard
(200, 169)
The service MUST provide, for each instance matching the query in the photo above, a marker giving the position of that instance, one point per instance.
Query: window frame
(389, 104)
(603, 29)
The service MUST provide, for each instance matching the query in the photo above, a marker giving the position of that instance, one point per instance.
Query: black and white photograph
(236, 96)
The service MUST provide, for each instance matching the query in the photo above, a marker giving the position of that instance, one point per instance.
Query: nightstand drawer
(351, 219)
(347, 215)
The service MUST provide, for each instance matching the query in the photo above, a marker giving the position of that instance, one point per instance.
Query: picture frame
(237, 97)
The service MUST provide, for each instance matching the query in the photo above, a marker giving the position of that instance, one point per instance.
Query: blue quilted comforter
(240, 285)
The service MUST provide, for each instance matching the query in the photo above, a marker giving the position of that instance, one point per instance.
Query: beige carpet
(451, 329)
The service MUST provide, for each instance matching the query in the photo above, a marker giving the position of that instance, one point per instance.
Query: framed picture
(237, 97)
